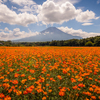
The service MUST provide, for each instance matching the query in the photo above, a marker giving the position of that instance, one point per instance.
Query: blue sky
(25, 18)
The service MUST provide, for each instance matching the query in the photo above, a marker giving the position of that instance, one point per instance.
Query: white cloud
(26, 5)
(86, 16)
(11, 17)
(85, 24)
(7, 34)
(14, 7)
(32, 9)
(82, 8)
(0, 1)
(63, 1)
(6, 29)
(50, 12)
(23, 2)
(3, 1)
(78, 32)
(98, 1)
(97, 18)
(59, 11)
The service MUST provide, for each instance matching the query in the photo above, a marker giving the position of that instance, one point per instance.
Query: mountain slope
(51, 33)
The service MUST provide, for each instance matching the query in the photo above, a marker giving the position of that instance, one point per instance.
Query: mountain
(51, 33)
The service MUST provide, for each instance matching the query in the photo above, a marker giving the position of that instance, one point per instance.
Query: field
(49, 73)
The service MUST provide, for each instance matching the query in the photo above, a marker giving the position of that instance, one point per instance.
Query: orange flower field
(49, 73)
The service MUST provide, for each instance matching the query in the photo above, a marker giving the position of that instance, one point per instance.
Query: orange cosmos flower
(6, 80)
(90, 78)
(45, 93)
(42, 80)
(16, 75)
(7, 98)
(93, 97)
(32, 87)
(32, 71)
(88, 93)
(68, 89)
(23, 75)
(44, 98)
(11, 70)
(25, 92)
(8, 72)
(17, 69)
(23, 81)
(86, 99)
(77, 94)
(10, 90)
(47, 84)
(51, 79)
(15, 81)
(96, 80)
(0, 85)
(18, 92)
(59, 77)
(2, 77)
(48, 74)
(6, 85)
(90, 89)
(39, 90)
(2, 95)
(50, 90)
(64, 71)
(75, 87)
(80, 79)
(73, 80)
(81, 85)
(19, 87)
(29, 90)
(61, 93)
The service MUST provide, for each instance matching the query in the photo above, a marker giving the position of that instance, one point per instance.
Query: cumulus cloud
(59, 11)
(85, 24)
(6, 29)
(26, 5)
(3, 1)
(7, 34)
(11, 17)
(63, 1)
(14, 7)
(78, 32)
(86, 16)
(50, 12)
(32, 9)
(23, 2)
(98, 1)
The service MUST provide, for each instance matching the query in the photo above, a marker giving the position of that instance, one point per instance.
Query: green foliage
(89, 43)
(92, 41)
(97, 41)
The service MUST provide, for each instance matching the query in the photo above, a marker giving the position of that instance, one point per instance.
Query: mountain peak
(51, 28)
(49, 34)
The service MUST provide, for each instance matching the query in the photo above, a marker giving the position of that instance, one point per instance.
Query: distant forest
(92, 41)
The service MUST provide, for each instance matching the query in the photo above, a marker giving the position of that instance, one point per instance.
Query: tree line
(92, 41)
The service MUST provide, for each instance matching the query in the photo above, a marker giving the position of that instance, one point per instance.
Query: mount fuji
(49, 34)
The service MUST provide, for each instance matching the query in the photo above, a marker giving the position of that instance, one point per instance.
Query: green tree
(89, 43)
(97, 41)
